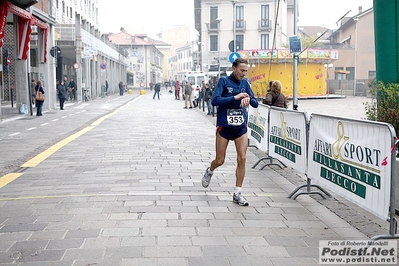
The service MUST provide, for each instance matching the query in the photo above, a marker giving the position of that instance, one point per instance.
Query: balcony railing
(212, 27)
(240, 25)
(265, 25)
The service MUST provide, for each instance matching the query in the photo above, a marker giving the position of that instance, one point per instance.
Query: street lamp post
(218, 21)
(295, 62)
(234, 24)
(356, 19)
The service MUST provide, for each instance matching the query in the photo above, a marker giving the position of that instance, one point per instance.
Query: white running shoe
(206, 179)
(239, 199)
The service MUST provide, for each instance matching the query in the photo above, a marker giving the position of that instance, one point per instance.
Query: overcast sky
(150, 16)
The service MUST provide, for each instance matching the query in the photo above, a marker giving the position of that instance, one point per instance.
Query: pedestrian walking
(106, 87)
(121, 88)
(208, 99)
(62, 93)
(72, 87)
(201, 95)
(188, 90)
(157, 89)
(274, 96)
(39, 102)
(177, 90)
(232, 95)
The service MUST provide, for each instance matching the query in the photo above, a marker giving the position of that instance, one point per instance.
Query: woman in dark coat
(274, 96)
(62, 93)
(121, 88)
(39, 103)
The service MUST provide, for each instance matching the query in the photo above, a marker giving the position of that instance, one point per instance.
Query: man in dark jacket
(121, 88)
(208, 99)
(72, 85)
(62, 93)
(157, 89)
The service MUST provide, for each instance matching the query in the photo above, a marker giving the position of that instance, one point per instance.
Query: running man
(232, 96)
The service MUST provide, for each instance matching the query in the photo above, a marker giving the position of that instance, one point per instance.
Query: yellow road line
(8, 178)
(142, 193)
(59, 196)
(35, 161)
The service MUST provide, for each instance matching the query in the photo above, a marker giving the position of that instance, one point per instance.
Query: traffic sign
(295, 44)
(8, 60)
(233, 56)
(76, 65)
(55, 51)
(231, 46)
(103, 66)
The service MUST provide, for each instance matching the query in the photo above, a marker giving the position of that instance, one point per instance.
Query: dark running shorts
(232, 133)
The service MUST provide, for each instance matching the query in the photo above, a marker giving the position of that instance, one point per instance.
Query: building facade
(86, 55)
(354, 40)
(144, 57)
(177, 37)
(26, 30)
(49, 40)
(261, 24)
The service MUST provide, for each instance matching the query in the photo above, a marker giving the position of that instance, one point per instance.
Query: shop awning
(3, 19)
(25, 22)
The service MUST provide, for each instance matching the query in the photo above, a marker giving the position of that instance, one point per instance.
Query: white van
(195, 78)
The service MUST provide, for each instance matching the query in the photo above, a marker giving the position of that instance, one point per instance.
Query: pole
(79, 61)
(146, 70)
(234, 25)
(218, 20)
(29, 87)
(9, 84)
(29, 77)
(355, 68)
(295, 61)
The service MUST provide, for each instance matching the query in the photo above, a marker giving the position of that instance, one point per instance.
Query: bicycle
(86, 95)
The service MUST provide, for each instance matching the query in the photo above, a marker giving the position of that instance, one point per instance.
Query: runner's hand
(241, 96)
(245, 101)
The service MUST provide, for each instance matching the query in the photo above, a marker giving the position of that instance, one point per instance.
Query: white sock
(210, 170)
(237, 189)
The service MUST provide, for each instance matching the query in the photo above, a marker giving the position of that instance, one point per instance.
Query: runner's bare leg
(241, 144)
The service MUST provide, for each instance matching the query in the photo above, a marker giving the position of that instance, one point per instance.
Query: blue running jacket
(229, 112)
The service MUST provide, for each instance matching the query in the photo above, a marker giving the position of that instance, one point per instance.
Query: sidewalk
(126, 190)
(11, 112)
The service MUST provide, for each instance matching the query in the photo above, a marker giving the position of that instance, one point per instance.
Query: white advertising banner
(258, 127)
(353, 159)
(288, 137)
